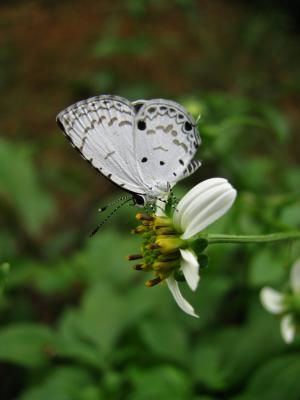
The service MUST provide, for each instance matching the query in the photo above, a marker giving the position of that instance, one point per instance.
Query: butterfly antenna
(101, 209)
(109, 216)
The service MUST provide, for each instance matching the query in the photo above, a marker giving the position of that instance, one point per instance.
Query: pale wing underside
(102, 129)
(166, 140)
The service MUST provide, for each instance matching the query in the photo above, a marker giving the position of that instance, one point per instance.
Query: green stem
(272, 237)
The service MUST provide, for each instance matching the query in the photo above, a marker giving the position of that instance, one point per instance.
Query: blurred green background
(77, 323)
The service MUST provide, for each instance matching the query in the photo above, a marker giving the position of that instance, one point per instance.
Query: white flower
(200, 207)
(285, 304)
(168, 241)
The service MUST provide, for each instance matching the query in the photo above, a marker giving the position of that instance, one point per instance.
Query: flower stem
(272, 237)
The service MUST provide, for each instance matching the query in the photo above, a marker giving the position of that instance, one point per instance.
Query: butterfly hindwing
(102, 129)
(166, 140)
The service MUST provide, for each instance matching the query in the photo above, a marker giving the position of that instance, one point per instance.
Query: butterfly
(144, 147)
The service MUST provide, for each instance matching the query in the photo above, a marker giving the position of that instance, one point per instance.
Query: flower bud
(165, 266)
(153, 282)
(144, 217)
(160, 222)
(169, 244)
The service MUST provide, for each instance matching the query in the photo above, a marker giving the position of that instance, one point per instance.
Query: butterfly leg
(171, 201)
(174, 199)
(150, 208)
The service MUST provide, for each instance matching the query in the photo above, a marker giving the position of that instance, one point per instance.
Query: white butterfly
(144, 147)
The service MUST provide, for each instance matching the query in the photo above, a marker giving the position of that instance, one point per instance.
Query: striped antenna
(125, 200)
(101, 209)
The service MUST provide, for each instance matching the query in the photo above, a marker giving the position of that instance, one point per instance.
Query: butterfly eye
(139, 200)
(188, 126)
(141, 125)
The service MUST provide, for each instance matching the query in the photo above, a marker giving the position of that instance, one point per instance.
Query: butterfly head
(158, 192)
(140, 200)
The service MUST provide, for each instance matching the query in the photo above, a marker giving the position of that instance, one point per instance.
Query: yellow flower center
(160, 248)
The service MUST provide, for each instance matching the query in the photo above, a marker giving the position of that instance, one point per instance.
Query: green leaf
(65, 383)
(104, 315)
(244, 349)
(4, 271)
(290, 215)
(208, 300)
(276, 379)
(20, 188)
(207, 365)
(161, 382)
(165, 338)
(266, 267)
(276, 120)
(73, 344)
(100, 260)
(28, 345)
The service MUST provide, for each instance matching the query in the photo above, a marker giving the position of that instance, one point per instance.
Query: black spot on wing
(188, 126)
(141, 125)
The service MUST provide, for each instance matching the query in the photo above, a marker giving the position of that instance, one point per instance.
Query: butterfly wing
(166, 140)
(102, 129)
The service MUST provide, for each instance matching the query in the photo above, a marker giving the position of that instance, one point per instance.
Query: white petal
(190, 268)
(202, 215)
(272, 300)
(182, 303)
(288, 328)
(197, 191)
(295, 277)
(202, 201)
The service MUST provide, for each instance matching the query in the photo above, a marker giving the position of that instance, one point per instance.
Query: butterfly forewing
(102, 129)
(166, 140)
